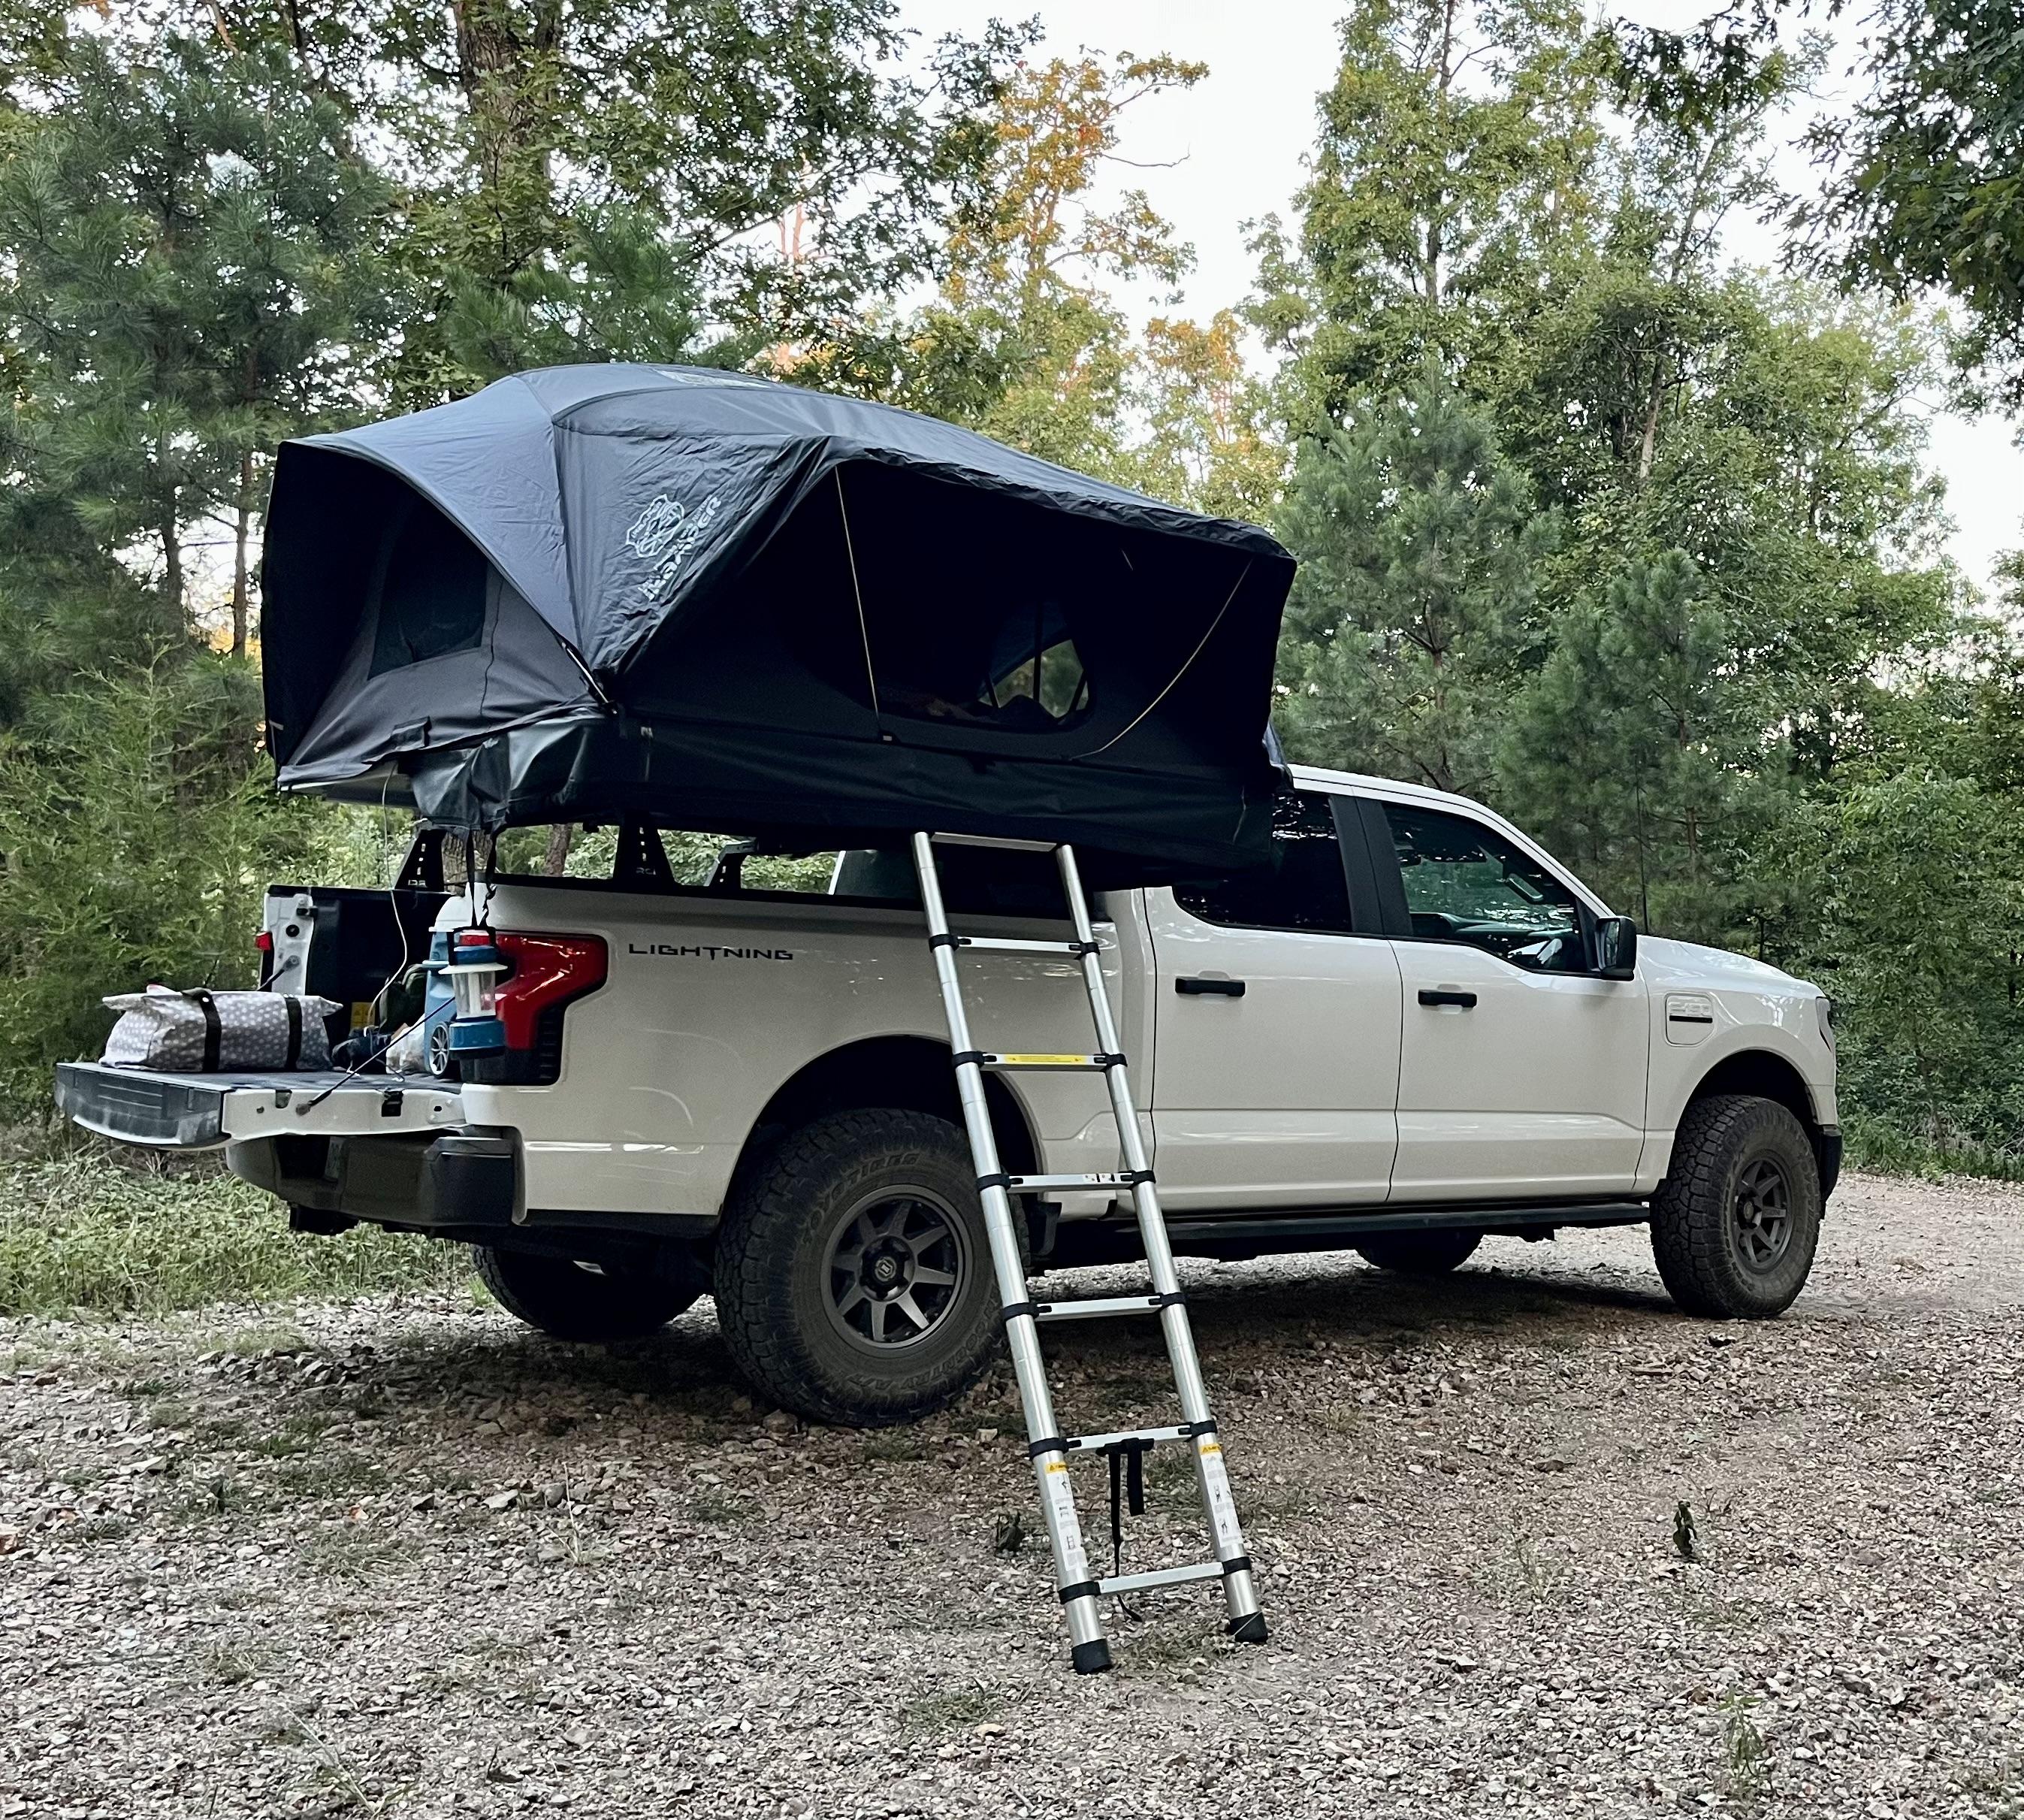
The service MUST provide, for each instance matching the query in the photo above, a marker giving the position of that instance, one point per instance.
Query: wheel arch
(1768, 1076)
(915, 1073)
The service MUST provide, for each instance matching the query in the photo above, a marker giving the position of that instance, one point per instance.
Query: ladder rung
(1029, 1184)
(1090, 1308)
(1002, 842)
(1008, 944)
(1092, 1443)
(1125, 1582)
(1029, 1063)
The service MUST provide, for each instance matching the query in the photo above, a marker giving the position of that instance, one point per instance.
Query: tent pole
(857, 593)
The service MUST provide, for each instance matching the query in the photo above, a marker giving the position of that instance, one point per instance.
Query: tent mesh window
(1017, 671)
(432, 596)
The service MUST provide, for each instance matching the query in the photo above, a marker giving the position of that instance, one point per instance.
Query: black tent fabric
(719, 601)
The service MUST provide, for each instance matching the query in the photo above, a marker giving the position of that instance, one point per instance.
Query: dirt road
(412, 1559)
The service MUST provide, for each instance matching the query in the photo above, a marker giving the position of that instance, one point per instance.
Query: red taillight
(547, 970)
(265, 941)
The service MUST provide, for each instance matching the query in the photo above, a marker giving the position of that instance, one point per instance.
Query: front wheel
(854, 1281)
(1735, 1224)
(570, 1300)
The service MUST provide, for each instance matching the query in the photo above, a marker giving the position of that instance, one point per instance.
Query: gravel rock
(404, 1557)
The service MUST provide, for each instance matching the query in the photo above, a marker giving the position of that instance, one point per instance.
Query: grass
(86, 1232)
(1885, 1149)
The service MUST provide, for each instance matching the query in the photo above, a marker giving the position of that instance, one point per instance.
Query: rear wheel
(1735, 1224)
(571, 1301)
(1419, 1254)
(854, 1282)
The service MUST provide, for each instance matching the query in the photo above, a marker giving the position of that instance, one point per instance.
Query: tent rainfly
(712, 601)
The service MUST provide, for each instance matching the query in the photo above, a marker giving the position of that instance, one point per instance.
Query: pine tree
(1414, 613)
(188, 246)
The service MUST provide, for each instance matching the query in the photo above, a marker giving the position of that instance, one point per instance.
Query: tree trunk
(555, 863)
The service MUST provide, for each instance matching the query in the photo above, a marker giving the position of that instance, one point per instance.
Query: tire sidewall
(784, 1229)
(1693, 1238)
(1777, 1137)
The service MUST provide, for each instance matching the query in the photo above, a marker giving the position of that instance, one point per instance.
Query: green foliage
(1457, 151)
(139, 830)
(1922, 914)
(188, 263)
(1414, 605)
(88, 1234)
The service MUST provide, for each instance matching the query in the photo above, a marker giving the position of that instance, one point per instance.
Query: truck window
(1303, 888)
(1465, 882)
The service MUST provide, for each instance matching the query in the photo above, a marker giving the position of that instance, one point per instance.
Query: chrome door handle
(1229, 988)
(1466, 1000)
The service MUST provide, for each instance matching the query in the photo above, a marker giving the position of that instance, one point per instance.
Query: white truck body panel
(711, 1006)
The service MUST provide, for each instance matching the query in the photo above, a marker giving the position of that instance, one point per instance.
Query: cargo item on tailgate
(163, 1029)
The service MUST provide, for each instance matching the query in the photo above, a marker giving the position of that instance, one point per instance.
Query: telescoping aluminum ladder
(1048, 1448)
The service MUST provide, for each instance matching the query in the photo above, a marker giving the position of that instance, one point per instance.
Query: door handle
(1466, 1000)
(1229, 988)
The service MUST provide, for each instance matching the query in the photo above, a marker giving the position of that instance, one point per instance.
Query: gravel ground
(404, 1557)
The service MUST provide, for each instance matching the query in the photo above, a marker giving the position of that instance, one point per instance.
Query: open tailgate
(195, 1112)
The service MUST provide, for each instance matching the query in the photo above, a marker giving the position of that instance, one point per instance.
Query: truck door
(1276, 1015)
(1521, 1075)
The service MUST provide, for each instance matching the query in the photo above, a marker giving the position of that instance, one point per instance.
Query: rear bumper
(194, 1112)
(468, 1185)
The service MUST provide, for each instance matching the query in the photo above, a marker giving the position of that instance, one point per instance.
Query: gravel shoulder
(401, 1556)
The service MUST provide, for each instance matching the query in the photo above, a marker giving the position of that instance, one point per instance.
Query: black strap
(1128, 1492)
(1133, 1177)
(963, 1055)
(1000, 1180)
(214, 1032)
(294, 1030)
(1173, 1299)
(935, 941)
(1014, 1310)
(1237, 1563)
(1047, 1444)
(1083, 1589)
(1106, 1061)
(1085, 948)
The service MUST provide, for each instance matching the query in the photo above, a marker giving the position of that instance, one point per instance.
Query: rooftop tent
(715, 601)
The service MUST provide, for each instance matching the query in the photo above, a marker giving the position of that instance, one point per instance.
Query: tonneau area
(194, 1112)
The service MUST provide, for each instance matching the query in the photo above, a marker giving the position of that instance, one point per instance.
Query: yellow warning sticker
(1058, 1466)
(1043, 1061)
(1209, 1447)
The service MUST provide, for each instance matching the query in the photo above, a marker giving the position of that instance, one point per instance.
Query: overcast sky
(1230, 149)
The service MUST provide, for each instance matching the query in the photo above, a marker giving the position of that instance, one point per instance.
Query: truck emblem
(711, 950)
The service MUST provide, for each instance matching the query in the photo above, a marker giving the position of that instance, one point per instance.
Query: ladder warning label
(1070, 1561)
(1216, 1493)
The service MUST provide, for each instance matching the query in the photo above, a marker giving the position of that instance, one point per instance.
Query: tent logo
(664, 534)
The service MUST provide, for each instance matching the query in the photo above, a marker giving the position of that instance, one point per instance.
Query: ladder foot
(1249, 1630)
(1092, 1657)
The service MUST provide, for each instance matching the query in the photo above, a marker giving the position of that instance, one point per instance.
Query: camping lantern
(474, 971)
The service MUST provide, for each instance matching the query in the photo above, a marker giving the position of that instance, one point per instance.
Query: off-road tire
(1419, 1254)
(570, 1300)
(775, 1279)
(1699, 1235)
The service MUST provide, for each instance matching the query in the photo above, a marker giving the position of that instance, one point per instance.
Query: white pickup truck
(1416, 1029)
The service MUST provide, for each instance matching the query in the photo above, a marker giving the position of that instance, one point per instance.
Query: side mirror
(1615, 948)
